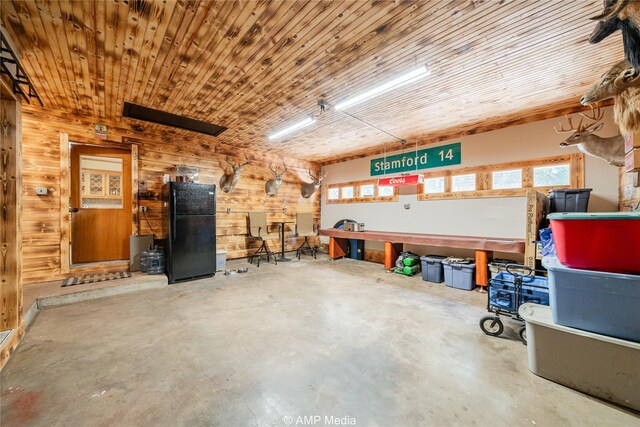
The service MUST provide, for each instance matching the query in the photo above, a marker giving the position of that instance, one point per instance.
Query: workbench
(393, 241)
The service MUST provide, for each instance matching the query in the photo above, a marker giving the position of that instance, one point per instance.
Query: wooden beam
(10, 220)
(482, 267)
(443, 240)
(5, 89)
(65, 196)
(391, 253)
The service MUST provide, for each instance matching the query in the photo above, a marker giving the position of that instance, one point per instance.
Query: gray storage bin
(459, 276)
(432, 270)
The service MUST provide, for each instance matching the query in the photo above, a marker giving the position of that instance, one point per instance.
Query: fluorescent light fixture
(402, 80)
(294, 127)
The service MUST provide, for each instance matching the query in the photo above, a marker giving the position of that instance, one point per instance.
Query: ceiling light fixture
(294, 127)
(402, 80)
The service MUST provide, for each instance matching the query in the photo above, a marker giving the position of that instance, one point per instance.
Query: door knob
(74, 210)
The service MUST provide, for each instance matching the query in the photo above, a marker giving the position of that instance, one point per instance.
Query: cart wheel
(491, 325)
(522, 334)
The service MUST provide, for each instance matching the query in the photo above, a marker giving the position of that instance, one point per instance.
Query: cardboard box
(632, 160)
(631, 141)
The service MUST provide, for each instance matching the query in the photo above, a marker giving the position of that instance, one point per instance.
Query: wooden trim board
(65, 197)
(484, 178)
(11, 208)
(135, 216)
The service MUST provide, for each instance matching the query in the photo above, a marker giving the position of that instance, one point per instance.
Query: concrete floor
(303, 339)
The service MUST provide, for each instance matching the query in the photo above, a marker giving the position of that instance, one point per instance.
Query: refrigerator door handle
(173, 215)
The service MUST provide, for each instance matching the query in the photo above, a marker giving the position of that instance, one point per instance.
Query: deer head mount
(623, 15)
(622, 83)
(272, 186)
(229, 180)
(308, 188)
(611, 150)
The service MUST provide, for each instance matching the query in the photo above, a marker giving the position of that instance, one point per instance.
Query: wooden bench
(393, 241)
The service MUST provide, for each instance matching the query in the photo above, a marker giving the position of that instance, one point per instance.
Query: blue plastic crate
(502, 292)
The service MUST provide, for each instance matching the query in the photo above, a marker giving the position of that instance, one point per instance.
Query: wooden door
(100, 203)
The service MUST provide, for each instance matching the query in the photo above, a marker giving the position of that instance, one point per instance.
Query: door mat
(95, 278)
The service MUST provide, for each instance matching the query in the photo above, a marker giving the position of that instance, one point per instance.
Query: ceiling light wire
(372, 126)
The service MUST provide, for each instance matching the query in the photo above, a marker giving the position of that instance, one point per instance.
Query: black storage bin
(576, 200)
(432, 270)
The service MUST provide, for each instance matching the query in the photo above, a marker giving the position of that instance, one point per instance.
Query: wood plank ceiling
(255, 66)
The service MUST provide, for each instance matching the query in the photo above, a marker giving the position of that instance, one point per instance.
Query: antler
(596, 116)
(311, 175)
(285, 167)
(571, 127)
(271, 169)
(247, 161)
(233, 165)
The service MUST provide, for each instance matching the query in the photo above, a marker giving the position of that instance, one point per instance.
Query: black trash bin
(573, 200)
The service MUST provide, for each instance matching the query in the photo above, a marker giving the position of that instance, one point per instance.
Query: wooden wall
(43, 216)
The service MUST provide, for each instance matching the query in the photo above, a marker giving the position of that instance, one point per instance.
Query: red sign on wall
(396, 181)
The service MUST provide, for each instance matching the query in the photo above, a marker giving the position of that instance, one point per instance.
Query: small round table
(282, 223)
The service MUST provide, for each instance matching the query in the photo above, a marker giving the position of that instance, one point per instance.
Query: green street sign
(444, 155)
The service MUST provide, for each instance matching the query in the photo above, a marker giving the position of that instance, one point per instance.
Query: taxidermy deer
(308, 188)
(229, 180)
(611, 150)
(623, 15)
(622, 83)
(272, 186)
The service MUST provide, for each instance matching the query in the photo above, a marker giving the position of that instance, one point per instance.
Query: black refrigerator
(189, 228)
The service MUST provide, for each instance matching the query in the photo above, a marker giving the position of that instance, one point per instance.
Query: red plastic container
(598, 241)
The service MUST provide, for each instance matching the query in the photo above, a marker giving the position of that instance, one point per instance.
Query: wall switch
(42, 191)
(407, 206)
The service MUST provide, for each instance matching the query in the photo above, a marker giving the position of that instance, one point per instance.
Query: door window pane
(507, 179)
(463, 182)
(334, 193)
(434, 185)
(101, 182)
(96, 183)
(115, 185)
(544, 176)
(366, 190)
(347, 192)
(385, 191)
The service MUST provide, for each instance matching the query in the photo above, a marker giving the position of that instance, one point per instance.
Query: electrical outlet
(143, 208)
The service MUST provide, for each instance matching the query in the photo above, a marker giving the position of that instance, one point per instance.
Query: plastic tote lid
(594, 215)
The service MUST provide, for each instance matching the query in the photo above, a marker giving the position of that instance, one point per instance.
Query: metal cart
(506, 292)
